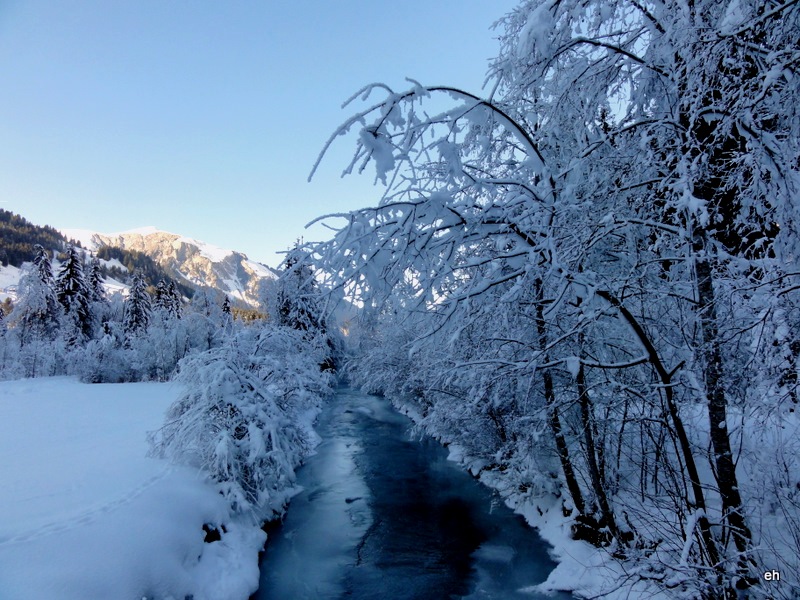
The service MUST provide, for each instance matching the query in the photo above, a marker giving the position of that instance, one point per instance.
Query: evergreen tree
(227, 315)
(35, 315)
(168, 299)
(42, 263)
(137, 307)
(74, 295)
(176, 300)
(297, 297)
(95, 282)
(36, 312)
(297, 303)
(161, 300)
(44, 270)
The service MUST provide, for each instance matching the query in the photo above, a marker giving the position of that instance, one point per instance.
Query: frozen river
(386, 515)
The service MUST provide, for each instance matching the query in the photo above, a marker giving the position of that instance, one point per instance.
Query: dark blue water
(386, 515)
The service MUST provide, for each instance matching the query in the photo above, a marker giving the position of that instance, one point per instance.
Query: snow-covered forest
(584, 280)
(588, 278)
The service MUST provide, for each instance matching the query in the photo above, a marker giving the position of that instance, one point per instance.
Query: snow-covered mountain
(197, 263)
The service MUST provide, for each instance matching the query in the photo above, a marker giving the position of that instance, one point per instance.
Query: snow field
(9, 279)
(84, 512)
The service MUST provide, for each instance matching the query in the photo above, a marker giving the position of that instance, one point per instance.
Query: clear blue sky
(204, 118)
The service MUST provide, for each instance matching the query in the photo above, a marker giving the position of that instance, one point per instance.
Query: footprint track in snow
(86, 517)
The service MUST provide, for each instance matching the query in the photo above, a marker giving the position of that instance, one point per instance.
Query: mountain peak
(197, 263)
(147, 230)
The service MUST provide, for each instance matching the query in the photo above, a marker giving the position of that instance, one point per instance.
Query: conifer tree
(137, 307)
(297, 299)
(44, 269)
(175, 304)
(161, 299)
(297, 303)
(36, 311)
(43, 266)
(167, 299)
(94, 282)
(74, 295)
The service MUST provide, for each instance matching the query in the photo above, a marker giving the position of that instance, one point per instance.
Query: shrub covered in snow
(246, 416)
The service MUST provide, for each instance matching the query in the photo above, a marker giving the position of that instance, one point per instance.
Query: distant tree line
(64, 323)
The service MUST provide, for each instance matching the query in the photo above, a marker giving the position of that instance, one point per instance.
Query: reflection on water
(383, 515)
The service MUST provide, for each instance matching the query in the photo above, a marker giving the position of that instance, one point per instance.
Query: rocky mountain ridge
(195, 262)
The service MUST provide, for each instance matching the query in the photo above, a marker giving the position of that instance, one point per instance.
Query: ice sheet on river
(384, 514)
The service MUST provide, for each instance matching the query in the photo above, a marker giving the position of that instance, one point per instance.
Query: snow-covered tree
(4, 343)
(94, 282)
(297, 300)
(137, 307)
(34, 324)
(704, 148)
(245, 417)
(156, 356)
(106, 359)
(74, 295)
(205, 320)
(167, 298)
(36, 312)
(43, 265)
(627, 186)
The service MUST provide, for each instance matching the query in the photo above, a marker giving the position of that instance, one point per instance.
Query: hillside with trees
(19, 237)
(134, 261)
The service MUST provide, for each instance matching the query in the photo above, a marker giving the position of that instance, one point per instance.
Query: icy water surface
(385, 515)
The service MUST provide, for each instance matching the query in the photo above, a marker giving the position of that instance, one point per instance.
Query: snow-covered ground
(10, 276)
(9, 280)
(85, 514)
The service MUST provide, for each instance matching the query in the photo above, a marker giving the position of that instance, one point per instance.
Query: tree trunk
(732, 509)
(553, 415)
(598, 485)
(680, 431)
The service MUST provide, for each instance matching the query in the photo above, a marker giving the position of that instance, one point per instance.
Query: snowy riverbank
(85, 514)
(590, 572)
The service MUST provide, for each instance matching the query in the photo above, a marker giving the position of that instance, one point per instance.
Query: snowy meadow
(87, 515)
(158, 490)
